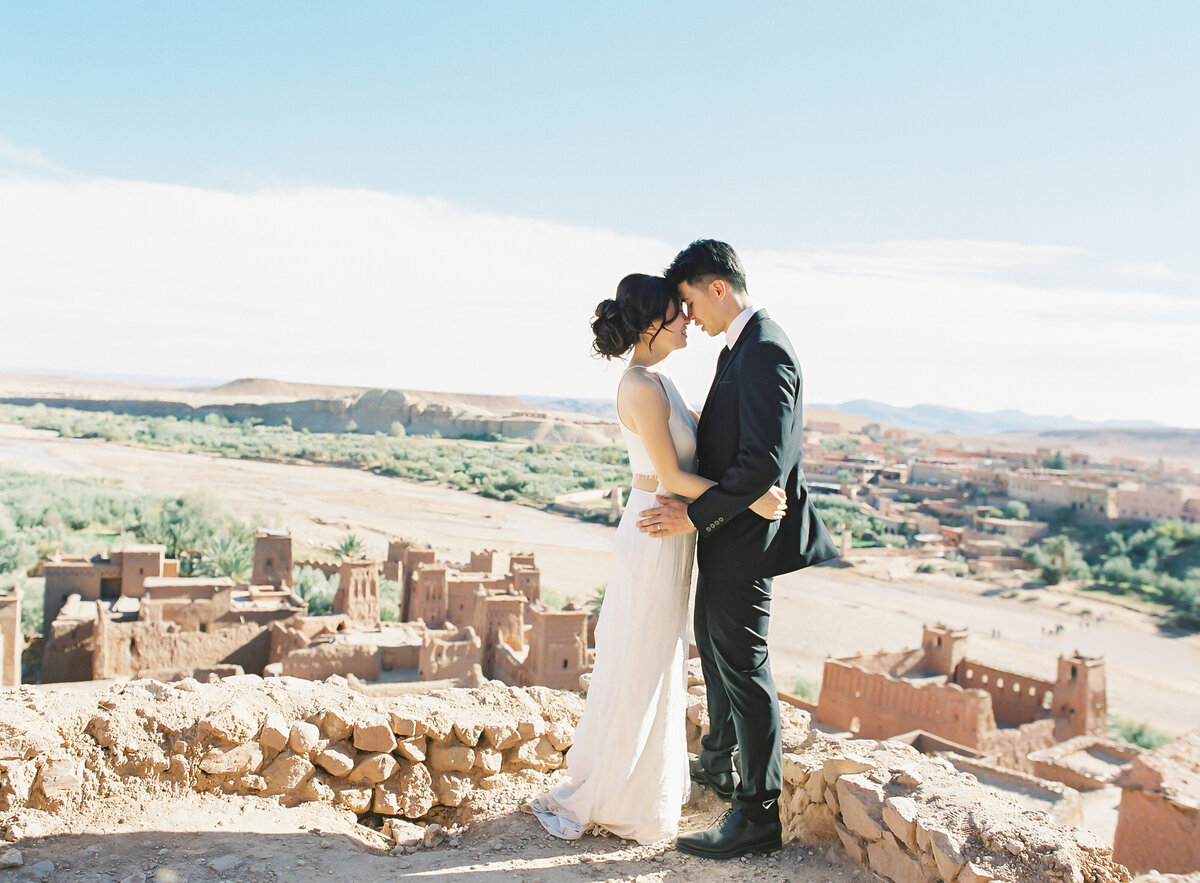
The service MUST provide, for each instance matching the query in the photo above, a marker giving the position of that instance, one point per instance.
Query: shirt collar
(734, 331)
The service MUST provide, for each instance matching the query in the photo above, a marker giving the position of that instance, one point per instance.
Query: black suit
(750, 437)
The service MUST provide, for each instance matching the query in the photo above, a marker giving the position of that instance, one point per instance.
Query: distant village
(952, 500)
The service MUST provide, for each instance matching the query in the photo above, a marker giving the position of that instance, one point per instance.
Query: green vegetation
(1055, 461)
(807, 689)
(349, 546)
(840, 513)
(501, 469)
(595, 601)
(390, 594)
(317, 590)
(1142, 734)
(44, 514)
(1157, 564)
(1016, 509)
(840, 444)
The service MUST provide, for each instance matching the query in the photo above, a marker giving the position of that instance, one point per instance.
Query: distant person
(749, 438)
(627, 771)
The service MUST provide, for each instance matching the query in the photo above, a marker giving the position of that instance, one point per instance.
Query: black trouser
(743, 709)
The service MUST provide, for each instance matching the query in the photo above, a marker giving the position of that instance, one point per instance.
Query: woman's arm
(643, 406)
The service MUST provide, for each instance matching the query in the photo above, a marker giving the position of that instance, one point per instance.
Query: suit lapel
(726, 359)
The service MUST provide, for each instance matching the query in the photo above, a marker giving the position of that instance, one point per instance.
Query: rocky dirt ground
(204, 837)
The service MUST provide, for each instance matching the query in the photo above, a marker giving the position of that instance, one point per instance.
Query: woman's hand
(772, 505)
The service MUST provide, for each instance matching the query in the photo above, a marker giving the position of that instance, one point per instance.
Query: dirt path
(816, 613)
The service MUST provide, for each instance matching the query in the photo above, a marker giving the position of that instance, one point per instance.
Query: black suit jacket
(750, 437)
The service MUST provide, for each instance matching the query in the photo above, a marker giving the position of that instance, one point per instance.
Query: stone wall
(12, 640)
(448, 654)
(417, 756)
(320, 660)
(879, 705)
(1159, 822)
(914, 819)
(1085, 763)
(298, 740)
(133, 649)
(1016, 699)
(67, 651)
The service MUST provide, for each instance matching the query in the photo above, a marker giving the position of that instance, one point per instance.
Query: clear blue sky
(774, 124)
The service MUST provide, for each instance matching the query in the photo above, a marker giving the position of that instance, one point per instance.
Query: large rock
(357, 800)
(438, 726)
(374, 768)
(560, 735)
(286, 772)
(451, 757)
(410, 794)
(488, 760)
(274, 733)
(335, 726)
(304, 738)
(245, 758)
(413, 748)
(451, 789)
(501, 736)
(900, 815)
(234, 724)
(889, 859)
(850, 843)
(861, 802)
(406, 725)
(336, 758)
(836, 767)
(468, 731)
(60, 779)
(374, 734)
(16, 782)
(947, 851)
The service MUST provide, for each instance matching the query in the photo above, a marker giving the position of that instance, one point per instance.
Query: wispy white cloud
(355, 286)
(26, 158)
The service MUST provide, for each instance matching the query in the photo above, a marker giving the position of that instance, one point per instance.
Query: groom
(748, 439)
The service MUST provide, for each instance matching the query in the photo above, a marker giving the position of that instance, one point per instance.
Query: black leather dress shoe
(722, 784)
(731, 836)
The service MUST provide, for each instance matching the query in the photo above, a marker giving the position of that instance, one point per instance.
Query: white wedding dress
(627, 771)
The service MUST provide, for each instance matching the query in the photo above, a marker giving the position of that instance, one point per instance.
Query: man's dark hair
(705, 260)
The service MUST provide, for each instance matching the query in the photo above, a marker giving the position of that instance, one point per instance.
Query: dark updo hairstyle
(641, 300)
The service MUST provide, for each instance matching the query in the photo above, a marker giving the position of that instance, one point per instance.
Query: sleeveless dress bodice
(680, 422)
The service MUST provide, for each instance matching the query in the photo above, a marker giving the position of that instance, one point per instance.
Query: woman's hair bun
(614, 336)
(641, 300)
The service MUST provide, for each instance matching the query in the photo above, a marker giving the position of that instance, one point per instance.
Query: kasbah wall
(936, 689)
(129, 614)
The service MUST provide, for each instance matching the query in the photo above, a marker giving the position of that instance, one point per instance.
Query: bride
(627, 771)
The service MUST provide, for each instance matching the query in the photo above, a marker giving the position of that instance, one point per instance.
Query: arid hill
(1181, 446)
(318, 408)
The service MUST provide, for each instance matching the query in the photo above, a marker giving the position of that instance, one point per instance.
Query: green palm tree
(350, 546)
(227, 555)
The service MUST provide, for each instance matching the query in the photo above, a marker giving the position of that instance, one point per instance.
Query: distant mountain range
(936, 418)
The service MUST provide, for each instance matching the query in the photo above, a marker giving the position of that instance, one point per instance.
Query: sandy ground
(824, 611)
(190, 837)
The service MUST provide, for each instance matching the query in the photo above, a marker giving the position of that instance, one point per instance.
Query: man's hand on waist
(668, 519)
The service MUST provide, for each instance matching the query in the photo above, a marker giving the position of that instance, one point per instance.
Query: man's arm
(767, 400)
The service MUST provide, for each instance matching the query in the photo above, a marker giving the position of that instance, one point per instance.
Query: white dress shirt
(734, 331)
